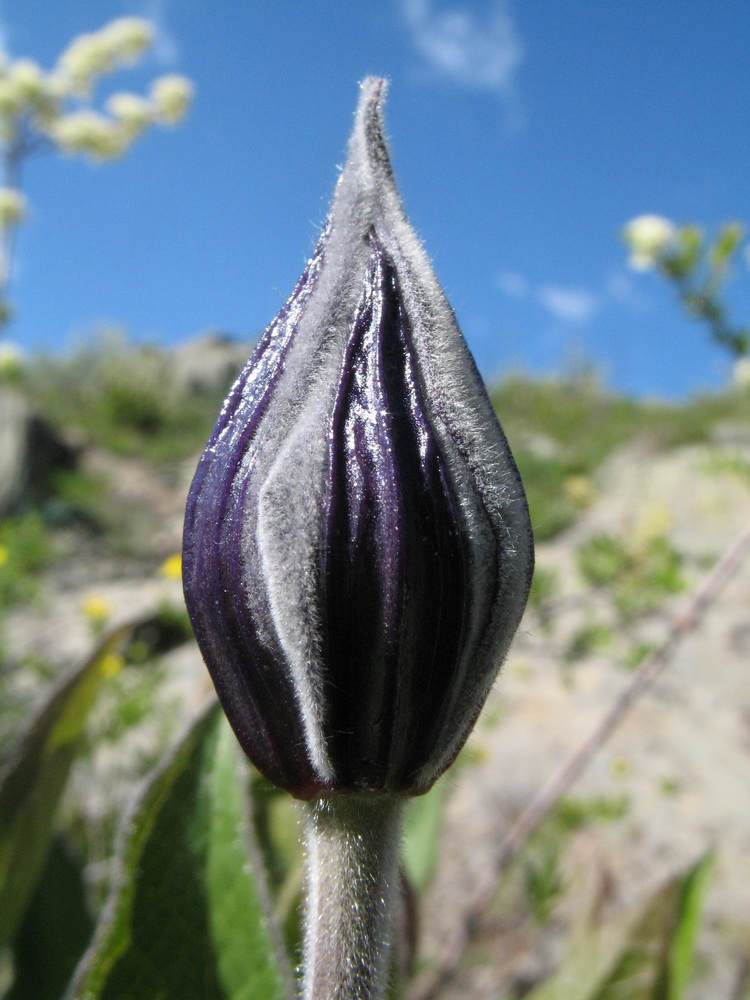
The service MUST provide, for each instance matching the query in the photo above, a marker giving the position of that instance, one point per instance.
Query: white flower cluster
(27, 94)
(24, 90)
(648, 237)
(55, 108)
(12, 207)
(170, 97)
(119, 43)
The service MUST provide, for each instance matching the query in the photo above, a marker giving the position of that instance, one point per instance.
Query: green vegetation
(125, 404)
(542, 879)
(563, 429)
(572, 813)
(25, 549)
(639, 573)
(590, 637)
(124, 399)
(697, 268)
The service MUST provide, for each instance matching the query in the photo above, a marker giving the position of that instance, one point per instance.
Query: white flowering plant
(696, 266)
(55, 110)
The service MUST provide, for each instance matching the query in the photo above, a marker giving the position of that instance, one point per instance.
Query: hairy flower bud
(357, 551)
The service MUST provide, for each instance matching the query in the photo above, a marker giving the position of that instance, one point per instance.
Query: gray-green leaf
(55, 930)
(185, 921)
(34, 777)
(647, 955)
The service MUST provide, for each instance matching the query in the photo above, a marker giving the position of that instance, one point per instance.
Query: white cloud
(165, 49)
(481, 53)
(513, 284)
(622, 289)
(565, 303)
(575, 305)
(570, 305)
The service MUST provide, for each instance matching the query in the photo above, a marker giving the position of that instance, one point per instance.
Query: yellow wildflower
(580, 490)
(111, 664)
(96, 608)
(171, 568)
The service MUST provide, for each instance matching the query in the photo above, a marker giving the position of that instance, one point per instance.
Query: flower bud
(127, 38)
(90, 133)
(131, 110)
(87, 57)
(648, 236)
(171, 96)
(121, 42)
(10, 101)
(12, 207)
(26, 77)
(357, 547)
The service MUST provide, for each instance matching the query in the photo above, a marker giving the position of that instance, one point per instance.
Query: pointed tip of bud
(368, 117)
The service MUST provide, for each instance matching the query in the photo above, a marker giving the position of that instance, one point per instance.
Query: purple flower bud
(358, 549)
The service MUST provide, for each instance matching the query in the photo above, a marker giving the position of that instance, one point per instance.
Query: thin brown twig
(538, 808)
(742, 981)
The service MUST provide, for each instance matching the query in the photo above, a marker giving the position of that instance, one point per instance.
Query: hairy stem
(352, 856)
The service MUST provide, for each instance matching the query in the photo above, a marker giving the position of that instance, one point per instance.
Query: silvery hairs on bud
(358, 551)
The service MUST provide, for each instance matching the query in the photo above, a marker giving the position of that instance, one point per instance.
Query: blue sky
(524, 135)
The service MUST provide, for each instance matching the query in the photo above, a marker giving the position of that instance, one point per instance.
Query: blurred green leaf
(34, 777)
(726, 245)
(681, 262)
(55, 930)
(543, 881)
(26, 549)
(422, 823)
(647, 955)
(185, 920)
(602, 559)
(275, 819)
(692, 895)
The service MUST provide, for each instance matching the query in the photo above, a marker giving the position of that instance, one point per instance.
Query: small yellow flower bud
(96, 608)
(127, 37)
(57, 85)
(90, 133)
(580, 490)
(87, 56)
(27, 80)
(112, 664)
(171, 95)
(12, 207)
(9, 97)
(133, 112)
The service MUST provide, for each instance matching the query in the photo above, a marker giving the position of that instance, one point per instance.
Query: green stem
(352, 857)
